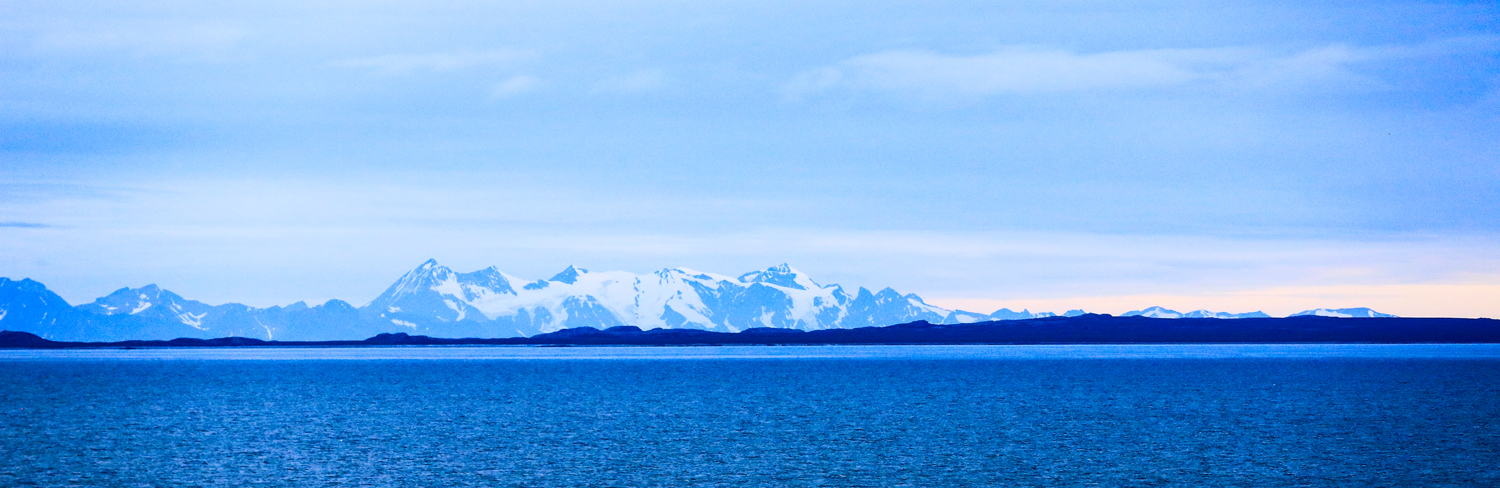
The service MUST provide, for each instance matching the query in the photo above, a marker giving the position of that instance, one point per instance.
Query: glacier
(490, 303)
(434, 300)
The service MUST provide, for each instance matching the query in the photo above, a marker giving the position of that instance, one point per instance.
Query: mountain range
(1162, 313)
(436, 301)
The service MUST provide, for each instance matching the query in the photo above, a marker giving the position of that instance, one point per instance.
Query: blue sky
(1049, 155)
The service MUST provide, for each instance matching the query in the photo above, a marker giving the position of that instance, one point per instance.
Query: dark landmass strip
(1085, 329)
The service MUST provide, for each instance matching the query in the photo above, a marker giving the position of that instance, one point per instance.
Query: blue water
(798, 416)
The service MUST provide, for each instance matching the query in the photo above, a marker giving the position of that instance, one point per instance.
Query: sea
(878, 416)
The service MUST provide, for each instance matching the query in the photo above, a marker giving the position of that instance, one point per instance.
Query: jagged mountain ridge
(1164, 313)
(1343, 313)
(434, 300)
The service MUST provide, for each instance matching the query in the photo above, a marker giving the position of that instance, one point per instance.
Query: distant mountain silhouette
(1083, 329)
(434, 300)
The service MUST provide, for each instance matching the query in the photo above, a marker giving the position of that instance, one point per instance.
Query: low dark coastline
(1086, 329)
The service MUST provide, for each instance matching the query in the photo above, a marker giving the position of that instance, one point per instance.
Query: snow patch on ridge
(192, 319)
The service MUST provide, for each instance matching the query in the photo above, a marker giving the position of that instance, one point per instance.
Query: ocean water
(754, 416)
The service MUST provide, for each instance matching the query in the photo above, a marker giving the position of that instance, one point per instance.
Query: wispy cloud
(637, 81)
(1018, 70)
(24, 225)
(401, 64)
(197, 40)
(515, 85)
(1031, 69)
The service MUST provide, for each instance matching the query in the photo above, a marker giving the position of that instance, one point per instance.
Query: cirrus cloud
(400, 64)
(514, 85)
(185, 40)
(638, 81)
(24, 225)
(1031, 69)
(1020, 70)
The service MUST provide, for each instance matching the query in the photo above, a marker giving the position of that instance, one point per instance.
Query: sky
(1109, 156)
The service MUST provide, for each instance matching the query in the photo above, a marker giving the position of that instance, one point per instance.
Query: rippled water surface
(861, 416)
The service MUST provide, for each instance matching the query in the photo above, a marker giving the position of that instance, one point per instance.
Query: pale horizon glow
(1461, 301)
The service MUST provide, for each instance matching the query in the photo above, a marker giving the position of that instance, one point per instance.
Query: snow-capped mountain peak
(477, 284)
(433, 299)
(1163, 313)
(708, 279)
(1155, 313)
(129, 300)
(569, 276)
(25, 302)
(434, 292)
(1343, 312)
(150, 300)
(423, 277)
(1008, 314)
(781, 275)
